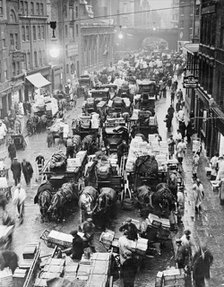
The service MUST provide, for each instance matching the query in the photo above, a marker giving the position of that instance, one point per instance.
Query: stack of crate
(60, 238)
(162, 224)
(6, 279)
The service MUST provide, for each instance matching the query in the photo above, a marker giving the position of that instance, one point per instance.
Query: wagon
(19, 141)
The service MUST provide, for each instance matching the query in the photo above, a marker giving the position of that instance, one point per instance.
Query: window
(66, 31)
(35, 59)
(38, 8)
(41, 9)
(40, 58)
(71, 32)
(77, 30)
(1, 7)
(42, 32)
(67, 68)
(76, 12)
(16, 41)
(13, 68)
(12, 41)
(27, 33)
(71, 13)
(32, 8)
(12, 16)
(34, 33)
(3, 43)
(23, 33)
(28, 59)
(39, 32)
(5, 70)
(25, 8)
(21, 6)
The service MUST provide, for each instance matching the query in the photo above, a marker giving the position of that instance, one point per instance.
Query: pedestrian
(12, 150)
(198, 194)
(214, 166)
(180, 206)
(77, 246)
(172, 95)
(201, 264)
(181, 149)
(16, 170)
(186, 239)
(189, 131)
(40, 163)
(178, 106)
(88, 228)
(27, 171)
(168, 121)
(129, 263)
(178, 137)
(171, 146)
(180, 95)
(130, 227)
(19, 197)
(171, 111)
(175, 85)
(183, 258)
(122, 149)
(50, 138)
(220, 172)
(69, 147)
(195, 164)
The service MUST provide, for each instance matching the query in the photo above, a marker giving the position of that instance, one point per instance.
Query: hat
(178, 240)
(89, 219)
(129, 220)
(15, 158)
(187, 232)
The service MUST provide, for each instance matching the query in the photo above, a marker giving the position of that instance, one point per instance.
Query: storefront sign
(190, 82)
(18, 56)
(72, 50)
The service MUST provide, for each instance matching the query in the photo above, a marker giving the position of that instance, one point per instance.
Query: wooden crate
(40, 283)
(96, 280)
(60, 238)
(29, 251)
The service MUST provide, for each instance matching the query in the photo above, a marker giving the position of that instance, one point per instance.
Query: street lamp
(54, 52)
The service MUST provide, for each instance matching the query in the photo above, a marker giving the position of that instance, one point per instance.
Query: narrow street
(206, 227)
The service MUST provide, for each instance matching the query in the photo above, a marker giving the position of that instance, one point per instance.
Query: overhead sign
(190, 82)
(18, 56)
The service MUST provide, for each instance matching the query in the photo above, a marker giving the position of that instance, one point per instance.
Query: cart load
(73, 164)
(58, 161)
(87, 122)
(171, 277)
(59, 129)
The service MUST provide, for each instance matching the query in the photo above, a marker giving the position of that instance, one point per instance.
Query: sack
(118, 102)
(103, 169)
(85, 122)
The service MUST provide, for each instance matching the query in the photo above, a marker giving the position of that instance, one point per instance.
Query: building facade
(97, 38)
(186, 19)
(209, 95)
(33, 32)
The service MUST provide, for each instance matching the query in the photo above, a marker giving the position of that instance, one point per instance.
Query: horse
(76, 143)
(9, 259)
(88, 144)
(65, 195)
(106, 205)
(43, 198)
(87, 202)
(174, 179)
(44, 201)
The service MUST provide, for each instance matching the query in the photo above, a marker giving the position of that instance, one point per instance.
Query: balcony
(207, 51)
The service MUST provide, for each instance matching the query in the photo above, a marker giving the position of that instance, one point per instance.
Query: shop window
(35, 59)
(34, 33)
(23, 33)
(27, 33)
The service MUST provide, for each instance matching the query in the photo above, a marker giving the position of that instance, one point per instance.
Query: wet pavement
(208, 226)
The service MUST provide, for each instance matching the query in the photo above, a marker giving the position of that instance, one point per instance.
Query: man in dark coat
(202, 261)
(27, 171)
(130, 227)
(77, 246)
(16, 171)
(12, 150)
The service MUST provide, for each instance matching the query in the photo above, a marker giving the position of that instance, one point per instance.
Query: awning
(38, 80)
(191, 48)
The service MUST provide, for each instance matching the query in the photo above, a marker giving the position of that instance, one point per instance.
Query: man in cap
(88, 229)
(19, 197)
(77, 245)
(171, 145)
(130, 227)
(16, 171)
